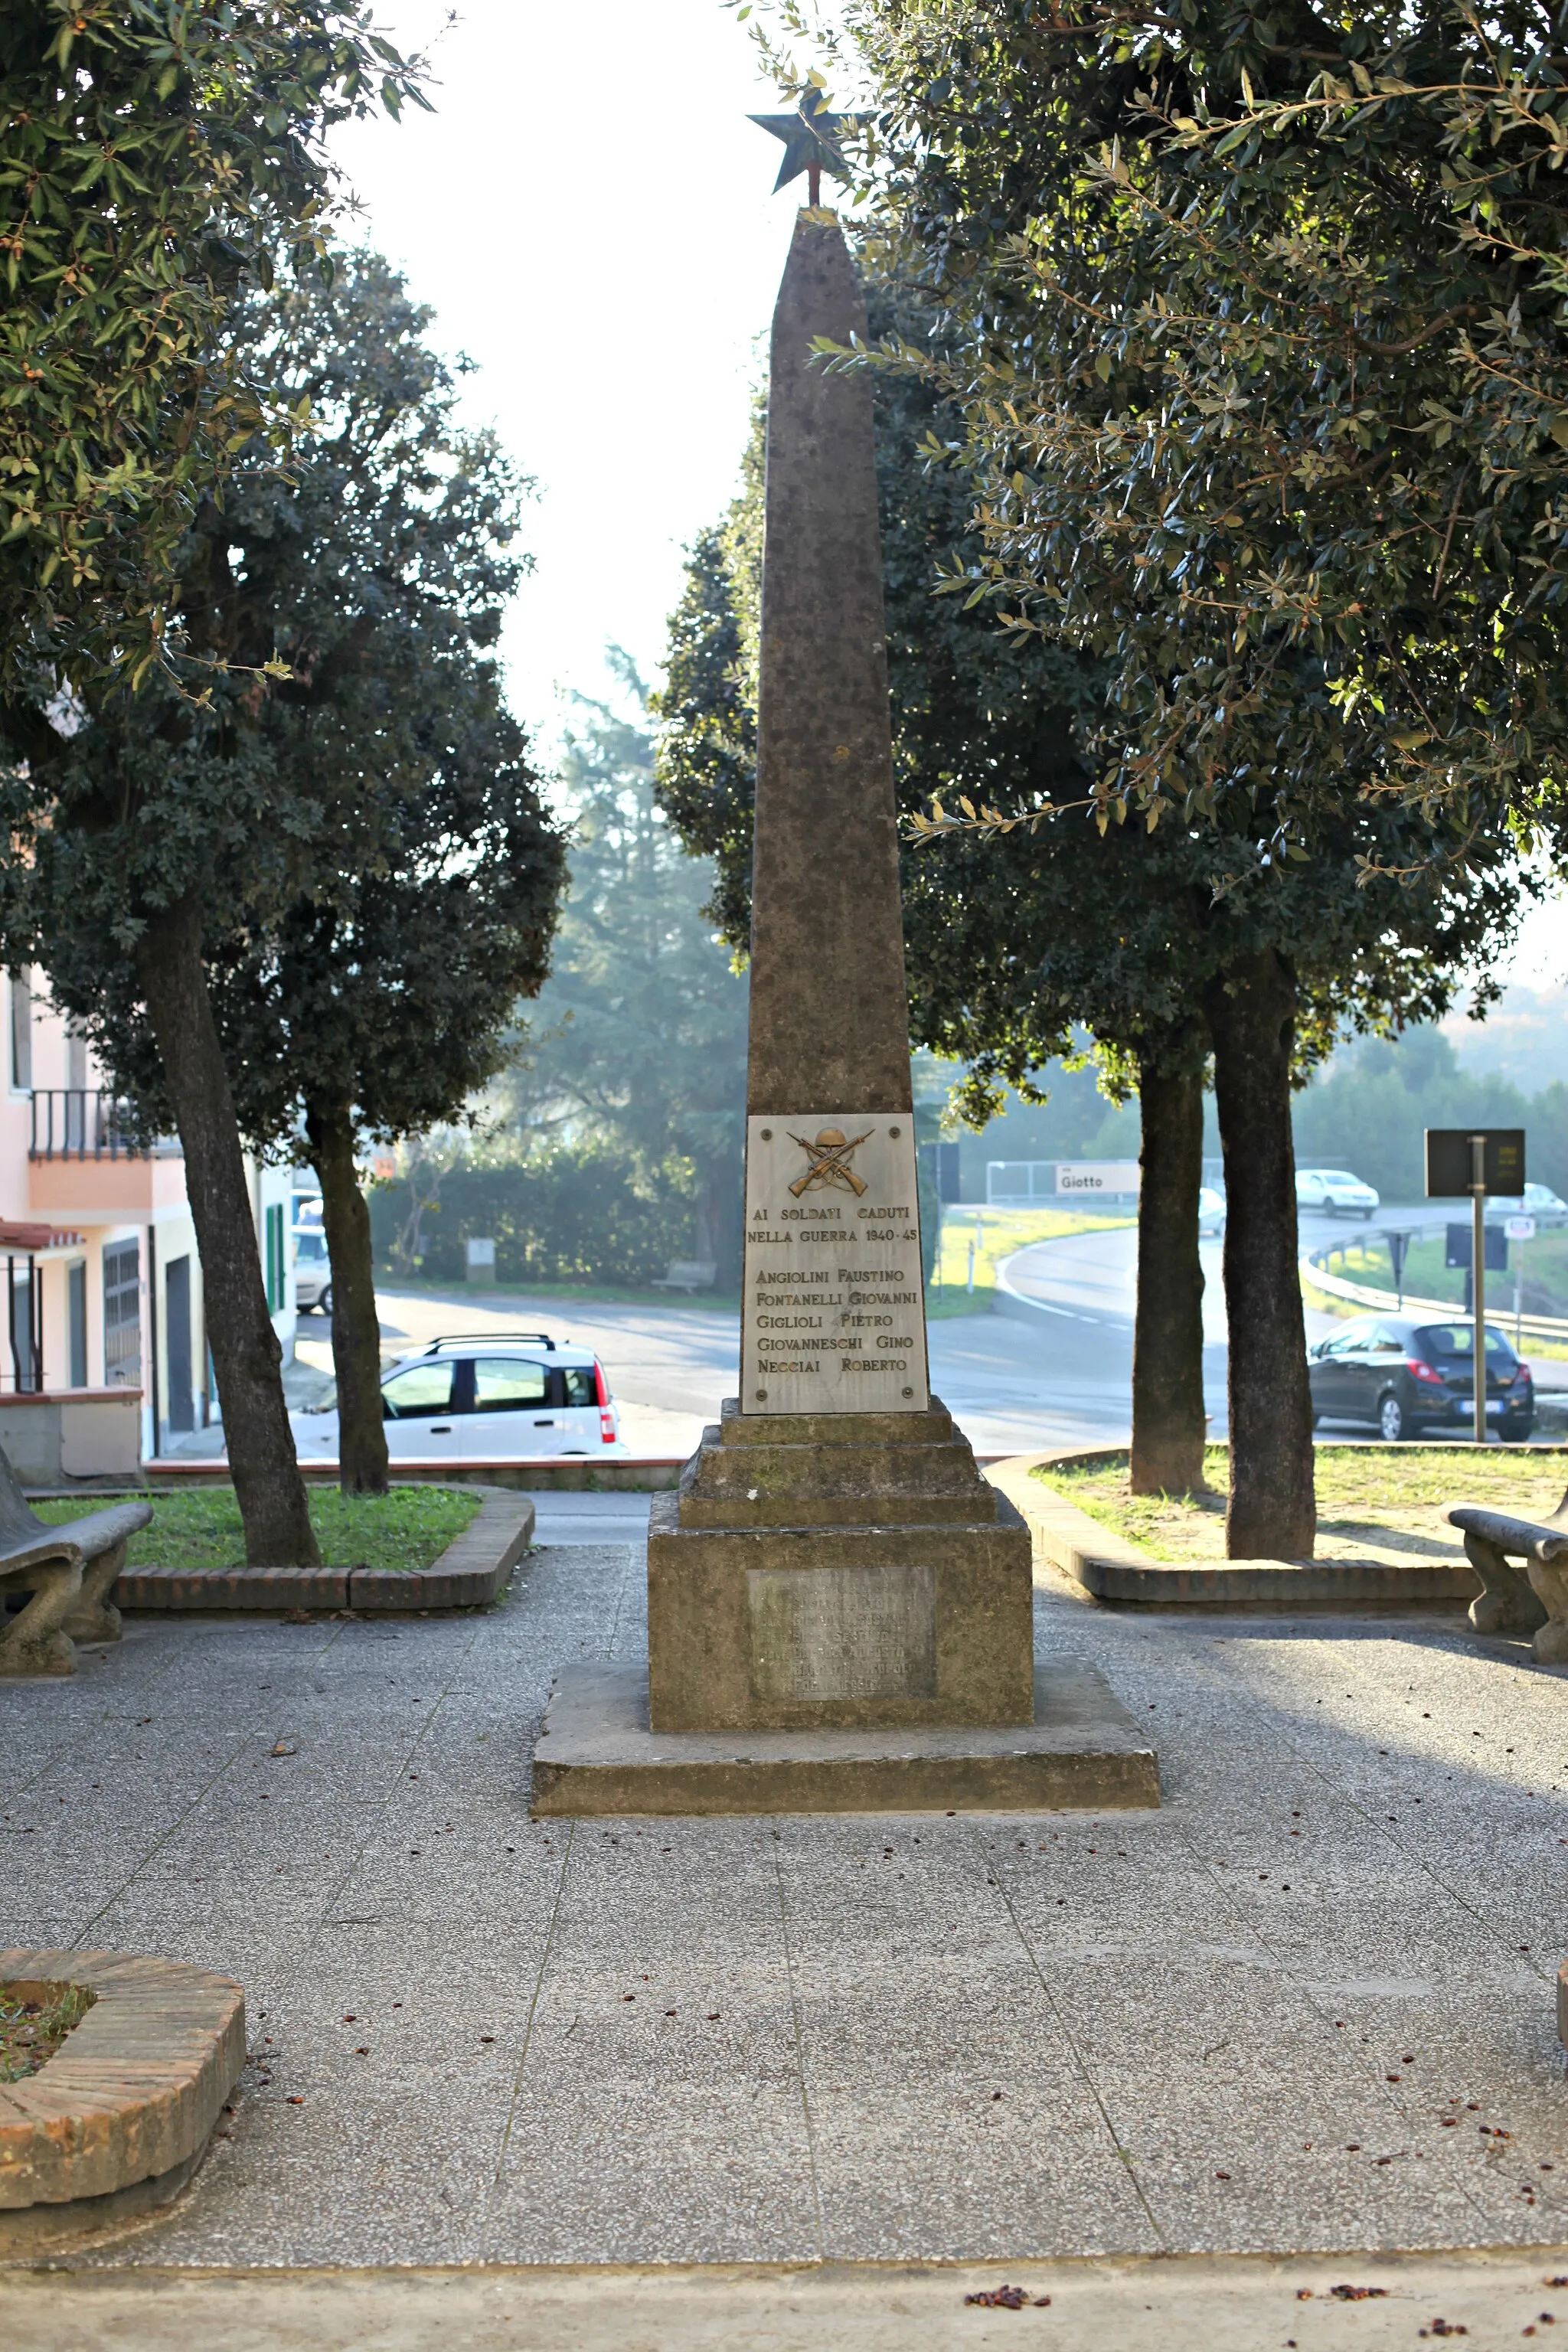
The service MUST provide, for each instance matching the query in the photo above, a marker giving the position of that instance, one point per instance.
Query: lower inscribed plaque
(842, 1633)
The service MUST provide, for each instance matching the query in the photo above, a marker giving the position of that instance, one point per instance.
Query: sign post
(1461, 1160)
(1398, 1248)
(1520, 1230)
(1478, 1279)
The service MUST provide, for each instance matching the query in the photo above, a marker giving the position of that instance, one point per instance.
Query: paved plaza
(1307, 2004)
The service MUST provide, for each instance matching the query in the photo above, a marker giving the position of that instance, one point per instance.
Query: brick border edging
(474, 1568)
(1113, 1568)
(129, 2097)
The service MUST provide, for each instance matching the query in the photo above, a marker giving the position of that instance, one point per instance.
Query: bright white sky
(588, 212)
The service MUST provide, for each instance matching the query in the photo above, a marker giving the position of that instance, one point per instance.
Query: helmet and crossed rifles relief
(829, 1156)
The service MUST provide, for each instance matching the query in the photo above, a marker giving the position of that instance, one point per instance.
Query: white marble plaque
(833, 1319)
(842, 1633)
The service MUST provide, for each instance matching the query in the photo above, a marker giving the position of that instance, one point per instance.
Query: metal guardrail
(1361, 1294)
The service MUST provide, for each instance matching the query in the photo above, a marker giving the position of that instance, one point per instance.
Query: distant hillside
(1368, 1112)
(1524, 1038)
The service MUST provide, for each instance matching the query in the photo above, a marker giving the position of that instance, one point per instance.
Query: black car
(1402, 1376)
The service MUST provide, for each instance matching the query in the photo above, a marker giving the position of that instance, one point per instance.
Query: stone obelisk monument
(833, 1315)
(834, 1578)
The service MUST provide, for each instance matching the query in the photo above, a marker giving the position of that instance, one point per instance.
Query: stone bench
(69, 1571)
(688, 1274)
(1531, 1598)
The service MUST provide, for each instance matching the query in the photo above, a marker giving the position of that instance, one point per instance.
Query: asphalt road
(1057, 1370)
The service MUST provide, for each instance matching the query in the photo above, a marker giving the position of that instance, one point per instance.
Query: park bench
(69, 1571)
(688, 1274)
(1531, 1598)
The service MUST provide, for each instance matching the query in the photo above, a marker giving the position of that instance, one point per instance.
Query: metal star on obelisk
(810, 138)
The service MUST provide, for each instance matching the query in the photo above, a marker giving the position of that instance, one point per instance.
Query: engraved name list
(833, 1318)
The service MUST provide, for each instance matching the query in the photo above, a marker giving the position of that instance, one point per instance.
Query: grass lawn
(1372, 1505)
(406, 1530)
(997, 1233)
(1542, 1262)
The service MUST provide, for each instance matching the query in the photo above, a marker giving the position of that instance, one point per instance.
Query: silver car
(1333, 1191)
(513, 1397)
(312, 1272)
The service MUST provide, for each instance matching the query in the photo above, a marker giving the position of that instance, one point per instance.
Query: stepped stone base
(837, 1570)
(1080, 1753)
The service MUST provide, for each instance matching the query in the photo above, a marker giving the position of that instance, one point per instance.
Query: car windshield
(1459, 1339)
(1340, 1176)
(310, 1248)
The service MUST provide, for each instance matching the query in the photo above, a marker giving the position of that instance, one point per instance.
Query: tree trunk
(1273, 1510)
(1168, 1337)
(246, 1353)
(356, 1333)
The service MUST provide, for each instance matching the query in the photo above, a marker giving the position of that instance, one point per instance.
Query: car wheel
(1366, 1216)
(1514, 1432)
(1391, 1418)
(324, 1304)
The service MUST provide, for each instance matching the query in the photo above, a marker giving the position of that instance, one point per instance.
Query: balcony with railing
(87, 1161)
(82, 1123)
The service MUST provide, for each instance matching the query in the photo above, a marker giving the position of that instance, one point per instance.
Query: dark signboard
(1449, 1161)
(1494, 1256)
(942, 1160)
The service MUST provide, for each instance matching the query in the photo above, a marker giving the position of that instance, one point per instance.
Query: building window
(123, 1315)
(21, 1033)
(276, 1260)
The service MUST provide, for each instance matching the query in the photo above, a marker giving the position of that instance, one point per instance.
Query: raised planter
(115, 2122)
(472, 1571)
(1114, 1569)
(553, 1473)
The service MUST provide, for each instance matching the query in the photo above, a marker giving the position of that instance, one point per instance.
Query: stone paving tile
(1154, 2011)
(339, 2180)
(710, 2103)
(949, 2112)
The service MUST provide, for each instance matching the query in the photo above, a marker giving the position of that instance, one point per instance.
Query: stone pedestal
(829, 1569)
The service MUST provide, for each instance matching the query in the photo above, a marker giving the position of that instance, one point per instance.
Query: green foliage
(377, 877)
(1014, 938)
(192, 1533)
(1255, 321)
(638, 1038)
(155, 156)
(587, 1214)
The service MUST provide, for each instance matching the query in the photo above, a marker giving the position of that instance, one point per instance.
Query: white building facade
(106, 1350)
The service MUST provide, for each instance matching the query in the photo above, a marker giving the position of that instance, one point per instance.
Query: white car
(1330, 1190)
(1211, 1210)
(510, 1398)
(313, 1273)
(1537, 1201)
